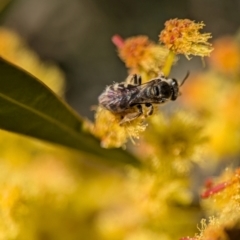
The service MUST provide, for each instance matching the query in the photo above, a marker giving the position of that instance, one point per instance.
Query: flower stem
(168, 64)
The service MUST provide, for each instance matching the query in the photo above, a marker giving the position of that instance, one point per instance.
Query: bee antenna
(185, 78)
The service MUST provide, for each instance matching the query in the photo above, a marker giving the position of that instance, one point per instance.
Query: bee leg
(131, 116)
(138, 81)
(139, 107)
(135, 80)
(150, 106)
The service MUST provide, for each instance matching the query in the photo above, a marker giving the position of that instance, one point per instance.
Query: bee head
(175, 86)
(164, 89)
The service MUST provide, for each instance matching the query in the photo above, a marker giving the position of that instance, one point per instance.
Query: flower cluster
(112, 134)
(213, 96)
(226, 56)
(223, 201)
(169, 141)
(182, 36)
(141, 56)
(215, 99)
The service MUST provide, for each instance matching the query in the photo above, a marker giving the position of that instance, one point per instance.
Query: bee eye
(174, 82)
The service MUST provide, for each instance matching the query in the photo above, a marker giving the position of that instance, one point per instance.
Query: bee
(128, 98)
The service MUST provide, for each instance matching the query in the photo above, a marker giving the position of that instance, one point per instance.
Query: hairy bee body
(120, 97)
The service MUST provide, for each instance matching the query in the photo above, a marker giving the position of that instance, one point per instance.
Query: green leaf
(30, 108)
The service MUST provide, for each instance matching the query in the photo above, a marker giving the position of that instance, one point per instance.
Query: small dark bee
(127, 98)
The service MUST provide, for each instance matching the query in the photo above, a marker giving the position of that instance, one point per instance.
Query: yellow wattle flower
(141, 55)
(182, 36)
(226, 56)
(107, 127)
